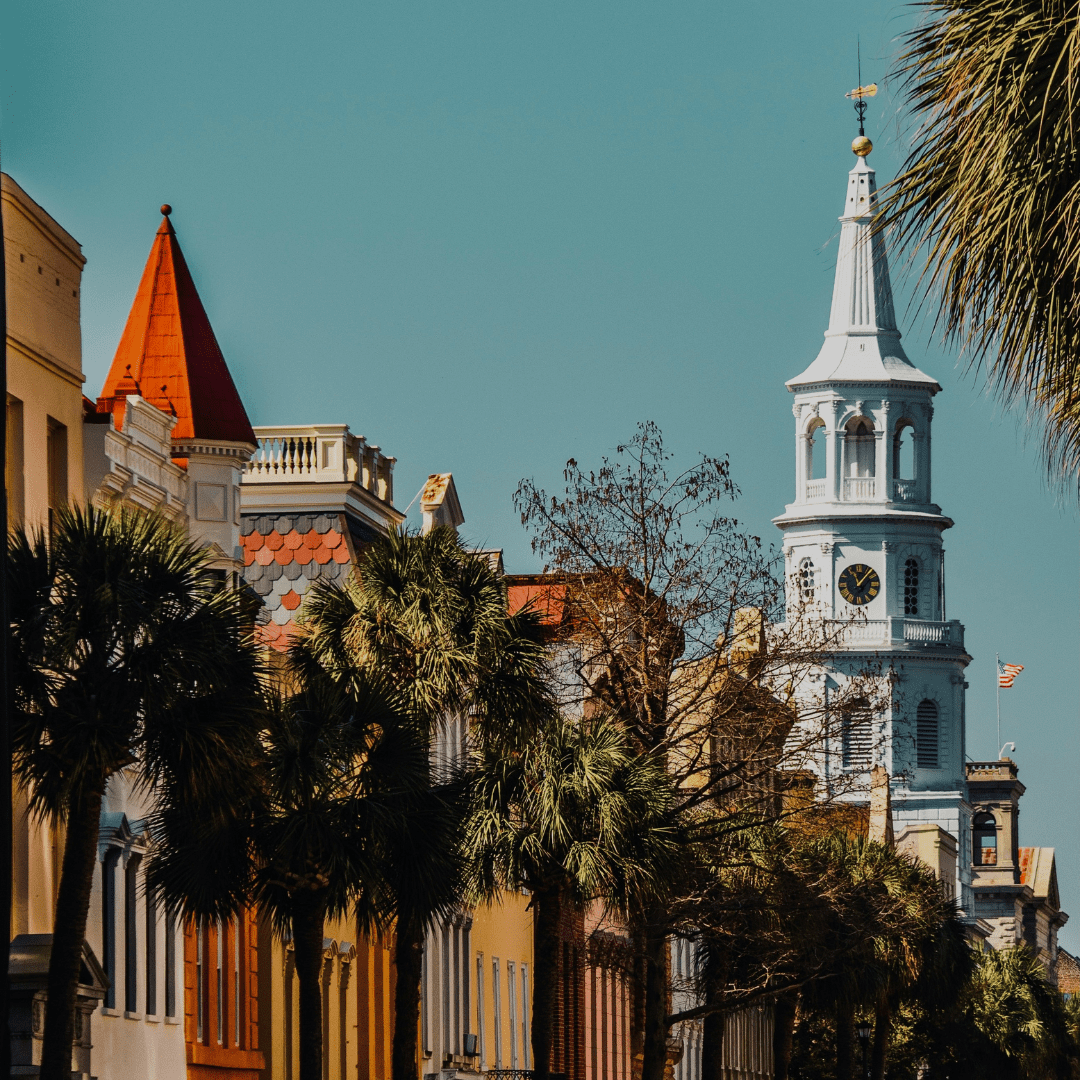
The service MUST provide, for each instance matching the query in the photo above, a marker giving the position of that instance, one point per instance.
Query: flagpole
(997, 683)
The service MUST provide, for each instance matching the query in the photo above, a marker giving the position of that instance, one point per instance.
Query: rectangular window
(466, 979)
(425, 998)
(220, 983)
(108, 923)
(496, 1012)
(511, 992)
(200, 971)
(131, 935)
(170, 965)
(447, 1044)
(151, 955)
(525, 1048)
(236, 982)
(480, 1048)
(13, 463)
(57, 466)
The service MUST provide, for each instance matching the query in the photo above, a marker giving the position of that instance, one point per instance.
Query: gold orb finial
(861, 145)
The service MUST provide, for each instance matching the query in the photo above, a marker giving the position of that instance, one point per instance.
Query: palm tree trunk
(307, 926)
(845, 1041)
(69, 931)
(712, 1046)
(546, 904)
(783, 1035)
(882, 1024)
(712, 1026)
(654, 1061)
(409, 961)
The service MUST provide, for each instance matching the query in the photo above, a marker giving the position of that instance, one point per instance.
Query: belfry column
(802, 453)
(833, 448)
(885, 455)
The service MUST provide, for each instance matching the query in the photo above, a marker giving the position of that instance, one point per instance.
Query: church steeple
(863, 546)
(862, 343)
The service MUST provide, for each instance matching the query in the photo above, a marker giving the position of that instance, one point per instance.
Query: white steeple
(862, 343)
(863, 547)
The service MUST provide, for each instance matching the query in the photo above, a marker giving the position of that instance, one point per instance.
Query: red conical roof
(168, 353)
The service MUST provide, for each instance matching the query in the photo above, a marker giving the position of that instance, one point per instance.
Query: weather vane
(861, 145)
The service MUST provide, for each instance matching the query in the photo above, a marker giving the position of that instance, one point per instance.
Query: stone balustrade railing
(321, 453)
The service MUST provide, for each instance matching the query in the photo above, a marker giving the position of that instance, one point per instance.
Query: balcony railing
(859, 488)
(903, 490)
(325, 453)
(815, 489)
(902, 631)
(890, 632)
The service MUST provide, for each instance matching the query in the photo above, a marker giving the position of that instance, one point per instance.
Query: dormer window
(984, 831)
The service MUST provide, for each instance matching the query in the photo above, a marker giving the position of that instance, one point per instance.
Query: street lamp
(864, 1038)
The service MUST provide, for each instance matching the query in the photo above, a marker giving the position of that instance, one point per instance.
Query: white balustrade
(859, 488)
(890, 631)
(326, 453)
(903, 490)
(932, 633)
(815, 489)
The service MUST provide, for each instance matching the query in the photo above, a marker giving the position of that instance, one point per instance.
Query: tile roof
(548, 600)
(169, 355)
(283, 554)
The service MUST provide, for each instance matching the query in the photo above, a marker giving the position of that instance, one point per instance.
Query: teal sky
(490, 236)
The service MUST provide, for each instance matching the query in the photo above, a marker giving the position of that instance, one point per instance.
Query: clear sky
(490, 236)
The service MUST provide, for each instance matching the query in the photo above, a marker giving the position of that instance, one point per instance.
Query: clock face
(859, 584)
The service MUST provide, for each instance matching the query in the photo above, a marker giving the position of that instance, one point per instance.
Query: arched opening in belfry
(904, 451)
(815, 462)
(985, 835)
(859, 447)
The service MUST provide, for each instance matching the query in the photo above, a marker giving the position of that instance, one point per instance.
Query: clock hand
(861, 580)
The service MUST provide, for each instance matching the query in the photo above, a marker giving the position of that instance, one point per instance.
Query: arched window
(926, 735)
(807, 581)
(815, 464)
(984, 828)
(904, 451)
(857, 737)
(859, 447)
(911, 587)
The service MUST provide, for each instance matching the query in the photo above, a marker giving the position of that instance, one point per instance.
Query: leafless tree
(672, 615)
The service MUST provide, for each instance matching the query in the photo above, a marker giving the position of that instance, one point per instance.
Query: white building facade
(863, 547)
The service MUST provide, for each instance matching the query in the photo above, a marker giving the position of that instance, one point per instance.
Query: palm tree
(1019, 1014)
(341, 782)
(429, 617)
(987, 201)
(887, 929)
(575, 814)
(127, 655)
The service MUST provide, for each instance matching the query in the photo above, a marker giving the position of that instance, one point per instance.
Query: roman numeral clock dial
(859, 584)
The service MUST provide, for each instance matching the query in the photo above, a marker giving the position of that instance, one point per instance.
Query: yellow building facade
(44, 265)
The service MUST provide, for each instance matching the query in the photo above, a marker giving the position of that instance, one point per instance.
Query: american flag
(1007, 674)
